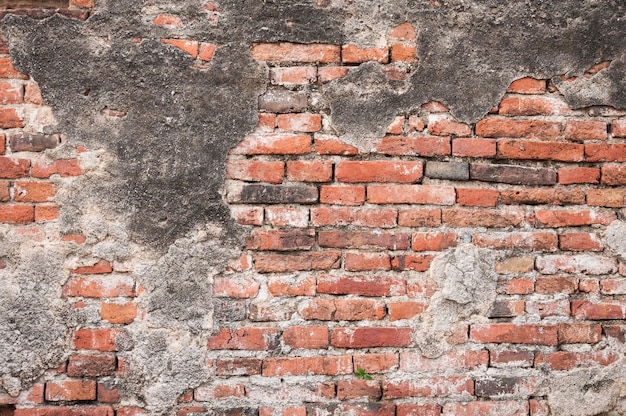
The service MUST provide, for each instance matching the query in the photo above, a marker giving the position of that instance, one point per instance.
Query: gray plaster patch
(616, 238)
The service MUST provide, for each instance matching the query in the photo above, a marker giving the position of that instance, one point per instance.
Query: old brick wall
(443, 267)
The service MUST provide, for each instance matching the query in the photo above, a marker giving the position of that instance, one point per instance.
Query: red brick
(342, 195)
(371, 337)
(556, 284)
(540, 150)
(572, 175)
(118, 313)
(11, 94)
(614, 174)
(618, 128)
(309, 170)
(429, 387)
(468, 217)
(532, 106)
(238, 366)
(477, 197)
(101, 267)
(411, 194)
(613, 286)
(352, 54)
(589, 286)
(605, 152)
(235, 287)
(572, 218)
(396, 125)
(416, 262)
(255, 170)
(314, 260)
(168, 21)
(255, 339)
(580, 242)
(482, 408)
(274, 144)
(579, 333)
(70, 390)
(281, 240)
(292, 52)
(188, 46)
(365, 409)
(566, 360)
(363, 239)
(102, 339)
(474, 147)
(532, 241)
(329, 73)
(17, 214)
(283, 216)
(419, 217)
(302, 122)
(404, 31)
(376, 363)
(403, 52)
(545, 308)
(13, 168)
(107, 394)
(27, 191)
(285, 411)
(70, 411)
(358, 217)
(299, 366)
(442, 126)
(528, 86)
(528, 196)
(418, 410)
(7, 71)
(614, 198)
(310, 337)
(294, 75)
(367, 261)
(4, 191)
(89, 365)
(325, 145)
(514, 334)
(580, 130)
(288, 286)
(433, 241)
(414, 146)
(466, 360)
(610, 309)
(361, 285)
(207, 51)
(416, 123)
(378, 171)
(353, 389)
(267, 122)
(63, 167)
(343, 309)
(405, 310)
(530, 129)
(46, 213)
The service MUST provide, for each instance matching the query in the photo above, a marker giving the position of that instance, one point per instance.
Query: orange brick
(573, 175)
(296, 366)
(27, 191)
(274, 144)
(118, 313)
(342, 309)
(352, 54)
(514, 334)
(474, 147)
(405, 310)
(17, 214)
(614, 198)
(403, 52)
(528, 86)
(324, 145)
(530, 129)
(245, 339)
(329, 73)
(207, 51)
(585, 130)
(614, 174)
(432, 241)
(309, 170)
(309, 337)
(411, 194)
(102, 339)
(378, 171)
(168, 21)
(363, 337)
(292, 52)
(477, 197)
(70, 390)
(605, 152)
(414, 146)
(188, 46)
(46, 213)
(404, 31)
(294, 75)
(255, 170)
(540, 150)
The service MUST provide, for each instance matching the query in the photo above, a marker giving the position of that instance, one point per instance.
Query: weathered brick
(605, 310)
(342, 195)
(13, 168)
(70, 390)
(476, 197)
(17, 214)
(411, 194)
(99, 339)
(416, 262)
(11, 93)
(517, 286)
(405, 310)
(251, 338)
(100, 286)
(529, 196)
(585, 130)
(298, 366)
(352, 54)
(353, 389)
(293, 75)
(31, 191)
(575, 333)
(511, 358)
(207, 393)
(118, 313)
(274, 143)
(247, 215)
(309, 170)
(572, 175)
(284, 216)
(424, 217)
(378, 171)
(613, 198)
(523, 264)
(414, 146)
(361, 285)
(506, 309)
(431, 409)
(530, 129)
(365, 261)
(439, 125)
(605, 152)
(235, 287)
(572, 218)
(281, 240)
(516, 175)
(429, 387)
(89, 365)
(556, 284)
(359, 217)
(310, 337)
(454, 171)
(363, 239)
(527, 85)
(99, 267)
(371, 337)
(9, 119)
(292, 286)
(274, 194)
(188, 46)
(315, 260)
(433, 241)
(532, 106)
(238, 366)
(566, 360)
(530, 241)
(614, 174)
(329, 73)
(457, 360)
(255, 170)
(283, 101)
(469, 217)
(580, 242)
(294, 52)
(474, 147)
(330, 145)
(514, 334)
(33, 142)
(302, 122)
(581, 263)
(375, 363)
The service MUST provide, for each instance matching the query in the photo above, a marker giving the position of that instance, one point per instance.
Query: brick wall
(339, 273)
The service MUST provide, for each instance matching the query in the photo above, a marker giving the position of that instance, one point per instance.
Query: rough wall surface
(313, 208)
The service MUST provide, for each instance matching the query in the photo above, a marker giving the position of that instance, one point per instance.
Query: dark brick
(456, 171)
(278, 194)
(283, 101)
(24, 142)
(502, 309)
(497, 386)
(517, 175)
(86, 365)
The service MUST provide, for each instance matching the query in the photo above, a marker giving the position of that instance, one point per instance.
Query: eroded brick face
(338, 272)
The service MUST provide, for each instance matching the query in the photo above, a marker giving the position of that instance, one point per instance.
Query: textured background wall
(230, 208)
